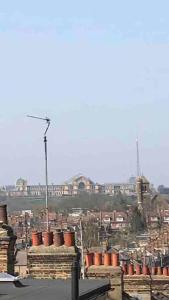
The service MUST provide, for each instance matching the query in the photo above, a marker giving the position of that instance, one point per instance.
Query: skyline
(100, 72)
(68, 179)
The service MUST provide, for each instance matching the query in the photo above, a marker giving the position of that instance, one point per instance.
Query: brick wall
(51, 262)
(7, 242)
(114, 274)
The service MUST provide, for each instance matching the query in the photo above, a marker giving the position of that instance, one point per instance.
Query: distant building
(163, 190)
(75, 186)
(132, 180)
(126, 188)
(142, 189)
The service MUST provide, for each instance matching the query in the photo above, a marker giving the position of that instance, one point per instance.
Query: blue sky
(101, 72)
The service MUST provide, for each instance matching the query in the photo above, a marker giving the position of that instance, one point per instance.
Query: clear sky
(100, 71)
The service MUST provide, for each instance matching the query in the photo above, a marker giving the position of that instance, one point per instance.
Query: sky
(100, 71)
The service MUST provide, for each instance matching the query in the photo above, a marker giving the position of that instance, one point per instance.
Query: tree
(90, 235)
(137, 222)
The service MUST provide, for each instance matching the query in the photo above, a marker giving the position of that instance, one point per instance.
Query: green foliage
(84, 200)
(95, 202)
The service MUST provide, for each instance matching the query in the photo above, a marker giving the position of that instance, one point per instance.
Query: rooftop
(46, 289)
(77, 177)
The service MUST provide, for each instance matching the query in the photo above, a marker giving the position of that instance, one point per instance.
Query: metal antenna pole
(46, 180)
(47, 120)
(75, 281)
(82, 250)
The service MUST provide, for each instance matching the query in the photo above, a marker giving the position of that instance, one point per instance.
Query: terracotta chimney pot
(89, 259)
(48, 238)
(98, 259)
(115, 259)
(107, 259)
(58, 238)
(69, 238)
(35, 238)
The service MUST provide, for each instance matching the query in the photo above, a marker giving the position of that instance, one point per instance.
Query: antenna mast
(47, 120)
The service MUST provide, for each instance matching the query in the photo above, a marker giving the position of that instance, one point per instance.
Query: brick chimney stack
(3, 214)
(7, 243)
(53, 255)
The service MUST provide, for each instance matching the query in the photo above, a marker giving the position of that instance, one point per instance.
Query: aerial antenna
(138, 159)
(47, 120)
(82, 249)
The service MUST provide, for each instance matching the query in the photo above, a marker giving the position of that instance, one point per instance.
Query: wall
(51, 262)
(114, 274)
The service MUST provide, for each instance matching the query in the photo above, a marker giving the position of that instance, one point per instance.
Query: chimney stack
(3, 214)
(7, 243)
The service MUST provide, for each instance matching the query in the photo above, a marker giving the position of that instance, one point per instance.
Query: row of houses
(115, 220)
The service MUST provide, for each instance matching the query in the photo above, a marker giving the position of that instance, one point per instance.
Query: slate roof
(43, 289)
(159, 296)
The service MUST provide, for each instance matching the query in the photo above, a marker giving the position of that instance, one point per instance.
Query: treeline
(84, 200)
(95, 202)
